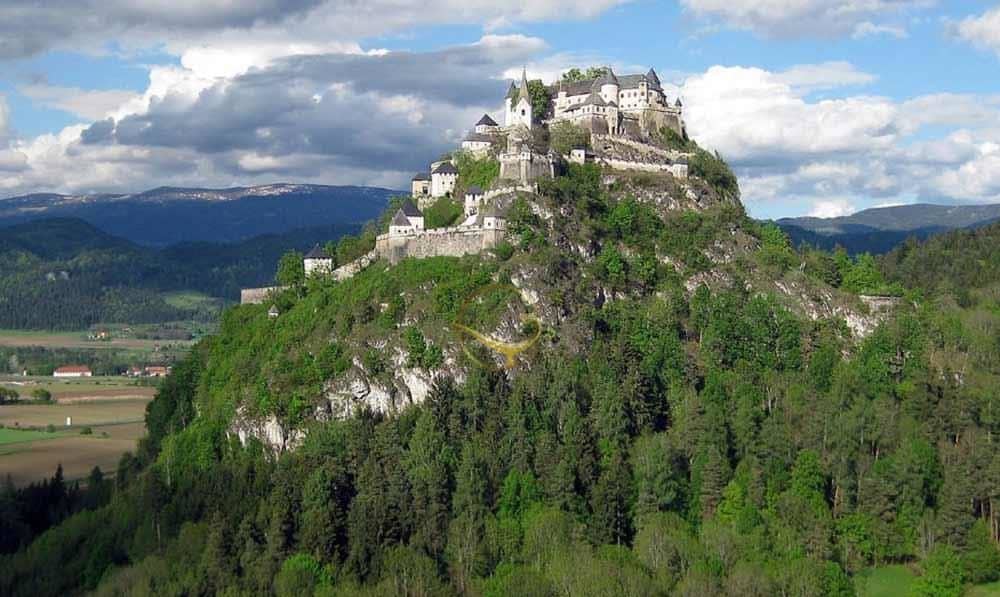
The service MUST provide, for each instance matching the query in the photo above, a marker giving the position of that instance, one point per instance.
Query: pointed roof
(273, 310)
(445, 168)
(678, 103)
(594, 99)
(486, 121)
(523, 90)
(410, 210)
(608, 78)
(317, 252)
(422, 176)
(473, 190)
(400, 219)
(512, 91)
(653, 78)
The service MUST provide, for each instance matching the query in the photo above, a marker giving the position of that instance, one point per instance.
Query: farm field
(33, 455)
(79, 340)
(80, 389)
(896, 581)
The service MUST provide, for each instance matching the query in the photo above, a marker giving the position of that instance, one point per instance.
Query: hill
(64, 273)
(641, 392)
(880, 229)
(166, 216)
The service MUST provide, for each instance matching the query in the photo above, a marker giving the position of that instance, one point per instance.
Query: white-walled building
(317, 262)
(517, 104)
(73, 371)
(616, 105)
(473, 197)
(420, 185)
(443, 179)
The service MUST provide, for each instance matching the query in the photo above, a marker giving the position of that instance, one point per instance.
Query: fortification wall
(525, 188)
(452, 242)
(256, 296)
(349, 270)
(670, 154)
(678, 170)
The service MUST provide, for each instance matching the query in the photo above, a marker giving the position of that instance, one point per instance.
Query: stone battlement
(452, 242)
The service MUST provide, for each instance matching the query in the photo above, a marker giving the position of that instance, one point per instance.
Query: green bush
(86, 431)
(565, 136)
(716, 172)
(442, 213)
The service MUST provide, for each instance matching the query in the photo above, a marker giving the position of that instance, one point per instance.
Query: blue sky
(822, 107)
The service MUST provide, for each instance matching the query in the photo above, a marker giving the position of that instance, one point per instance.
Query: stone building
(443, 179)
(420, 185)
(473, 197)
(407, 219)
(625, 105)
(317, 262)
(521, 163)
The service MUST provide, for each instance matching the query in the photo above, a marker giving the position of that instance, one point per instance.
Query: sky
(822, 107)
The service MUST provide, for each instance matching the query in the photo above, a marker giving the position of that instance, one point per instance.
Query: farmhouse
(72, 371)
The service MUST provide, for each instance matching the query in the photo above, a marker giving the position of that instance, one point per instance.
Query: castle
(620, 113)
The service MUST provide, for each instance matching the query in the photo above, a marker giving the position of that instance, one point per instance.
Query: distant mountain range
(167, 215)
(880, 229)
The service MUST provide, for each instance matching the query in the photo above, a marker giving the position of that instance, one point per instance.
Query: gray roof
(400, 219)
(445, 168)
(653, 78)
(317, 252)
(678, 103)
(473, 190)
(608, 78)
(409, 209)
(512, 92)
(487, 121)
(422, 176)
(480, 137)
(595, 99)
(574, 88)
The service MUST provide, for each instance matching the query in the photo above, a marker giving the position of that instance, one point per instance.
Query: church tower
(518, 104)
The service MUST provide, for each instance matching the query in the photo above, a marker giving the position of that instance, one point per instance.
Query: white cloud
(798, 18)
(828, 75)
(833, 208)
(750, 112)
(88, 104)
(787, 147)
(869, 29)
(982, 30)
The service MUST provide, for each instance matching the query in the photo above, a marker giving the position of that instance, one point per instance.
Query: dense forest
(64, 274)
(663, 440)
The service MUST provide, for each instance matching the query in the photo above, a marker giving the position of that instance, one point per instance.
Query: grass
(895, 581)
(988, 590)
(14, 436)
(885, 581)
(191, 300)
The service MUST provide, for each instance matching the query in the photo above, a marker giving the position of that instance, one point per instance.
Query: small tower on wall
(518, 105)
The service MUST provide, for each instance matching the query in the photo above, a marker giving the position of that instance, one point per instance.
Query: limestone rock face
(267, 431)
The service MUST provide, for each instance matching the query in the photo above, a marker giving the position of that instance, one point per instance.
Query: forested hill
(955, 263)
(64, 273)
(879, 230)
(694, 408)
(168, 215)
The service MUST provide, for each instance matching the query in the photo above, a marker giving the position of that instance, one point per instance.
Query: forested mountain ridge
(879, 230)
(706, 411)
(170, 215)
(63, 273)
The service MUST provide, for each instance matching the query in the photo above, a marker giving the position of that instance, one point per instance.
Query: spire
(524, 85)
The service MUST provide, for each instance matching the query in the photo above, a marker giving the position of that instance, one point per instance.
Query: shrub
(715, 171)
(564, 136)
(50, 428)
(86, 431)
(443, 213)
(42, 395)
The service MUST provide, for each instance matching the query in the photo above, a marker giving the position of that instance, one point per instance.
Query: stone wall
(453, 242)
(670, 154)
(256, 296)
(349, 270)
(525, 167)
(678, 170)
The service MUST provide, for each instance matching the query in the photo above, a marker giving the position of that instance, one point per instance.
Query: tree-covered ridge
(66, 274)
(684, 427)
